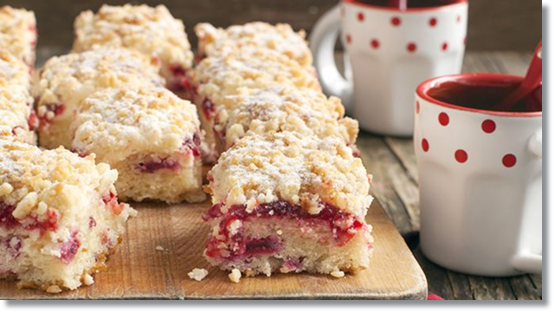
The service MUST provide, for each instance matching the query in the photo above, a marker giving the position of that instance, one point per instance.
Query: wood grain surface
(138, 270)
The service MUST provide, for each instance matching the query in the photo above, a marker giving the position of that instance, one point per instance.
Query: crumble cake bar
(18, 33)
(17, 116)
(280, 37)
(150, 30)
(286, 202)
(65, 81)
(281, 108)
(59, 216)
(13, 71)
(150, 136)
(222, 75)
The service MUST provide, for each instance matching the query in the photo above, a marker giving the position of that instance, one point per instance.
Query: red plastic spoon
(399, 4)
(529, 86)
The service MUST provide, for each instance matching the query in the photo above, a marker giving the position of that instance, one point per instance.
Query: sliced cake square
(150, 136)
(150, 30)
(59, 216)
(286, 202)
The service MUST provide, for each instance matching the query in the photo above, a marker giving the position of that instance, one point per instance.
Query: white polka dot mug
(480, 178)
(389, 53)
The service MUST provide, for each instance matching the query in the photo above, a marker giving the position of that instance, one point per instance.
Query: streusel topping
(13, 71)
(150, 30)
(259, 68)
(16, 100)
(288, 166)
(18, 33)
(72, 77)
(117, 123)
(283, 108)
(280, 37)
(40, 182)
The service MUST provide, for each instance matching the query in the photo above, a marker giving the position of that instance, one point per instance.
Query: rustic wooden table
(392, 163)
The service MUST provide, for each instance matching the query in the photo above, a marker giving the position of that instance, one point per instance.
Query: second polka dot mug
(480, 178)
(389, 53)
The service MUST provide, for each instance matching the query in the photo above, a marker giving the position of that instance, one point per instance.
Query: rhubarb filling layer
(233, 241)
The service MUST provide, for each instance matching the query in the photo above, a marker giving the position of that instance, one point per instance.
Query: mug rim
(408, 10)
(423, 89)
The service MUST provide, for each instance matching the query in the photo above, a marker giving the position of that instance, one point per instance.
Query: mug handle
(322, 43)
(525, 260)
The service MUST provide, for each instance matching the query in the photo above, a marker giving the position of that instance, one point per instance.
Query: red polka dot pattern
(509, 160)
(417, 108)
(425, 145)
(445, 46)
(375, 43)
(458, 19)
(433, 22)
(348, 39)
(361, 17)
(444, 120)
(395, 21)
(461, 156)
(488, 126)
(412, 47)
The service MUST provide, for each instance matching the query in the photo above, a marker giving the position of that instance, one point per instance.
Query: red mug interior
(479, 92)
(411, 4)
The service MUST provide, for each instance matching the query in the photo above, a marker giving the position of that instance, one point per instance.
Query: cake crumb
(235, 275)
(279, 232)
(53, 289)
(198, 274)
(337, 274)
(88, 280)
(159, 248)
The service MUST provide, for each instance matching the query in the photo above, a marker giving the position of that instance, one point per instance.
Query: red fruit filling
(208, 108)
(91, 222)
(13, 246)
(110, 199)
(6, 217)
(153, 166)
(80, 153)
(33, 121)
(69, 248)
(343, 226)
(260, 246)
(292, 264)
(57, 109)
(192, 145)
(179, 77)
(50, 223)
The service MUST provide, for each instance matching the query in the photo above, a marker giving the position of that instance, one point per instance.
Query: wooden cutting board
(139, 271)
